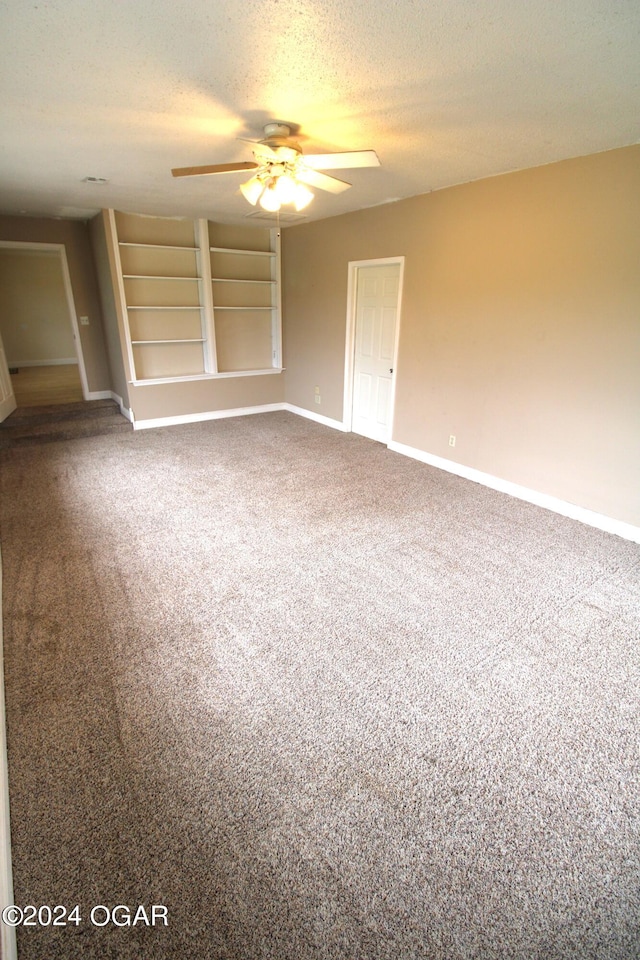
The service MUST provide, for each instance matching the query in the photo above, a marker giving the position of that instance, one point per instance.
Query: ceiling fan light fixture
(252, 189)
(269, 199)
(303, 196)
(285, 188)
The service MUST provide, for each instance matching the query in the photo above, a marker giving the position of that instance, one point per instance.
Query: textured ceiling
(445, 91)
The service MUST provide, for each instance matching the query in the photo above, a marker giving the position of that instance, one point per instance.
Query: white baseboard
(317, 417)
(100, 395)
(125, 411)
(207, 415)
(598, 520)
(8, 945)
(234, 412)
(110, 395)
(61, 362)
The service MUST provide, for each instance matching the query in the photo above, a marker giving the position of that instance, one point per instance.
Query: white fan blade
(263, 152)
(342, 161)
(321, 180)
(213, 168)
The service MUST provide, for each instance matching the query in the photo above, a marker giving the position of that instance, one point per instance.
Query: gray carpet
(319, 700)
(62, 421)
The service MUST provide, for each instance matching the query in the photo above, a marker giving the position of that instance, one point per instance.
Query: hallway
(38, 386)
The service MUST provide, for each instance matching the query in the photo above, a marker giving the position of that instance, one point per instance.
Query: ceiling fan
(282, 173)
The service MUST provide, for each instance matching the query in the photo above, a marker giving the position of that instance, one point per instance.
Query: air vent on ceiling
(280, 217)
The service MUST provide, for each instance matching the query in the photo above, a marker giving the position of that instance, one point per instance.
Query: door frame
(350, 340)
(60, 249)
(7, 400)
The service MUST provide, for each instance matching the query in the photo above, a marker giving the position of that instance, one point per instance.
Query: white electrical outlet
(452, 441)
(317, 398)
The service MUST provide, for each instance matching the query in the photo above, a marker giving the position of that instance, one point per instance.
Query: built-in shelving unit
(245, 269)
(198, 298)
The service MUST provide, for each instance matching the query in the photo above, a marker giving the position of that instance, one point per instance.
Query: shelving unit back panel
(243, 341)
(134, 228)
(165, 325)
(168, 360)
(161, 293)
(238, 237)
(242, 294)
(238, 266)
(147, 262)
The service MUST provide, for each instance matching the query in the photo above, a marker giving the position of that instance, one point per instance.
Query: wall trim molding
(598, 520)
(8, 944)
(59, 362)
(233, 412)
(206, 415)
(317, 417)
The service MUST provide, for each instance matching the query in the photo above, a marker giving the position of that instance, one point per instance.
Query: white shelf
(156, 246)
(218, 307)
(207, 376)
(234, 280)
(185, 340)
(246, 253)
(149, 307)
(151, 276)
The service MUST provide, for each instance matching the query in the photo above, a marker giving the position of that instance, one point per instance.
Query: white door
(377, 296)
(7, 398)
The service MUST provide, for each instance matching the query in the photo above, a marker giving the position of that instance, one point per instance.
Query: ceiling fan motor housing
(276, 129)
(278, 138)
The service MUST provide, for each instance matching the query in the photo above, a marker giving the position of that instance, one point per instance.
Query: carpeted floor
(62, 421)
(319, 700)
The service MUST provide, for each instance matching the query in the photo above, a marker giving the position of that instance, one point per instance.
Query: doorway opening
(373, 323)
(42, 355)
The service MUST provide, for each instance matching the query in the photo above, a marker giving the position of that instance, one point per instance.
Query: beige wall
(520, 329)
(202, 396)
(34, 313)
(75, 236)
